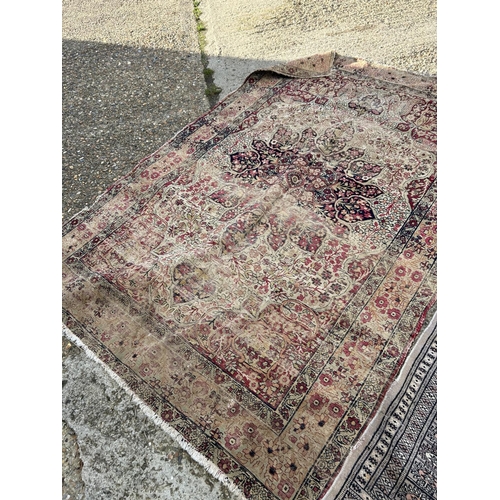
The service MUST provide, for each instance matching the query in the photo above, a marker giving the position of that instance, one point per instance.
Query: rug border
(393, 391)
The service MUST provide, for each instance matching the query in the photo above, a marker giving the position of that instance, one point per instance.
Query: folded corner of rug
(313, 66)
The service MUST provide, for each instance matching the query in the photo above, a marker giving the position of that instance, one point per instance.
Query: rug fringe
(209, 466)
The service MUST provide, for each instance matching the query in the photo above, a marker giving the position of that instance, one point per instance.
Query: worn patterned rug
(265, 283)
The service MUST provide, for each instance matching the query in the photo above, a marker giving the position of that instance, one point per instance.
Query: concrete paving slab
(244, 36)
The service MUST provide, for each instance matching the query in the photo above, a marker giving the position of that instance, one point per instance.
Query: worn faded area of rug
(260, 281)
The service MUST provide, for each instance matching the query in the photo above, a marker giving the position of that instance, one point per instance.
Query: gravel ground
(132, 78)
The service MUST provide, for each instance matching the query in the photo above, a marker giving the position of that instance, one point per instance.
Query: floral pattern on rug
(337, 185)
(259, 281)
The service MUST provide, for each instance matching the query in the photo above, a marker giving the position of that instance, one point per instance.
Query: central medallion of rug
(259, 281)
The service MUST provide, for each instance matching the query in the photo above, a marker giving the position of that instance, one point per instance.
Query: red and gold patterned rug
(259, 282)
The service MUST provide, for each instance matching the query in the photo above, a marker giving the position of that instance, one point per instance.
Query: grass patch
(200, 26)
(212, 91)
